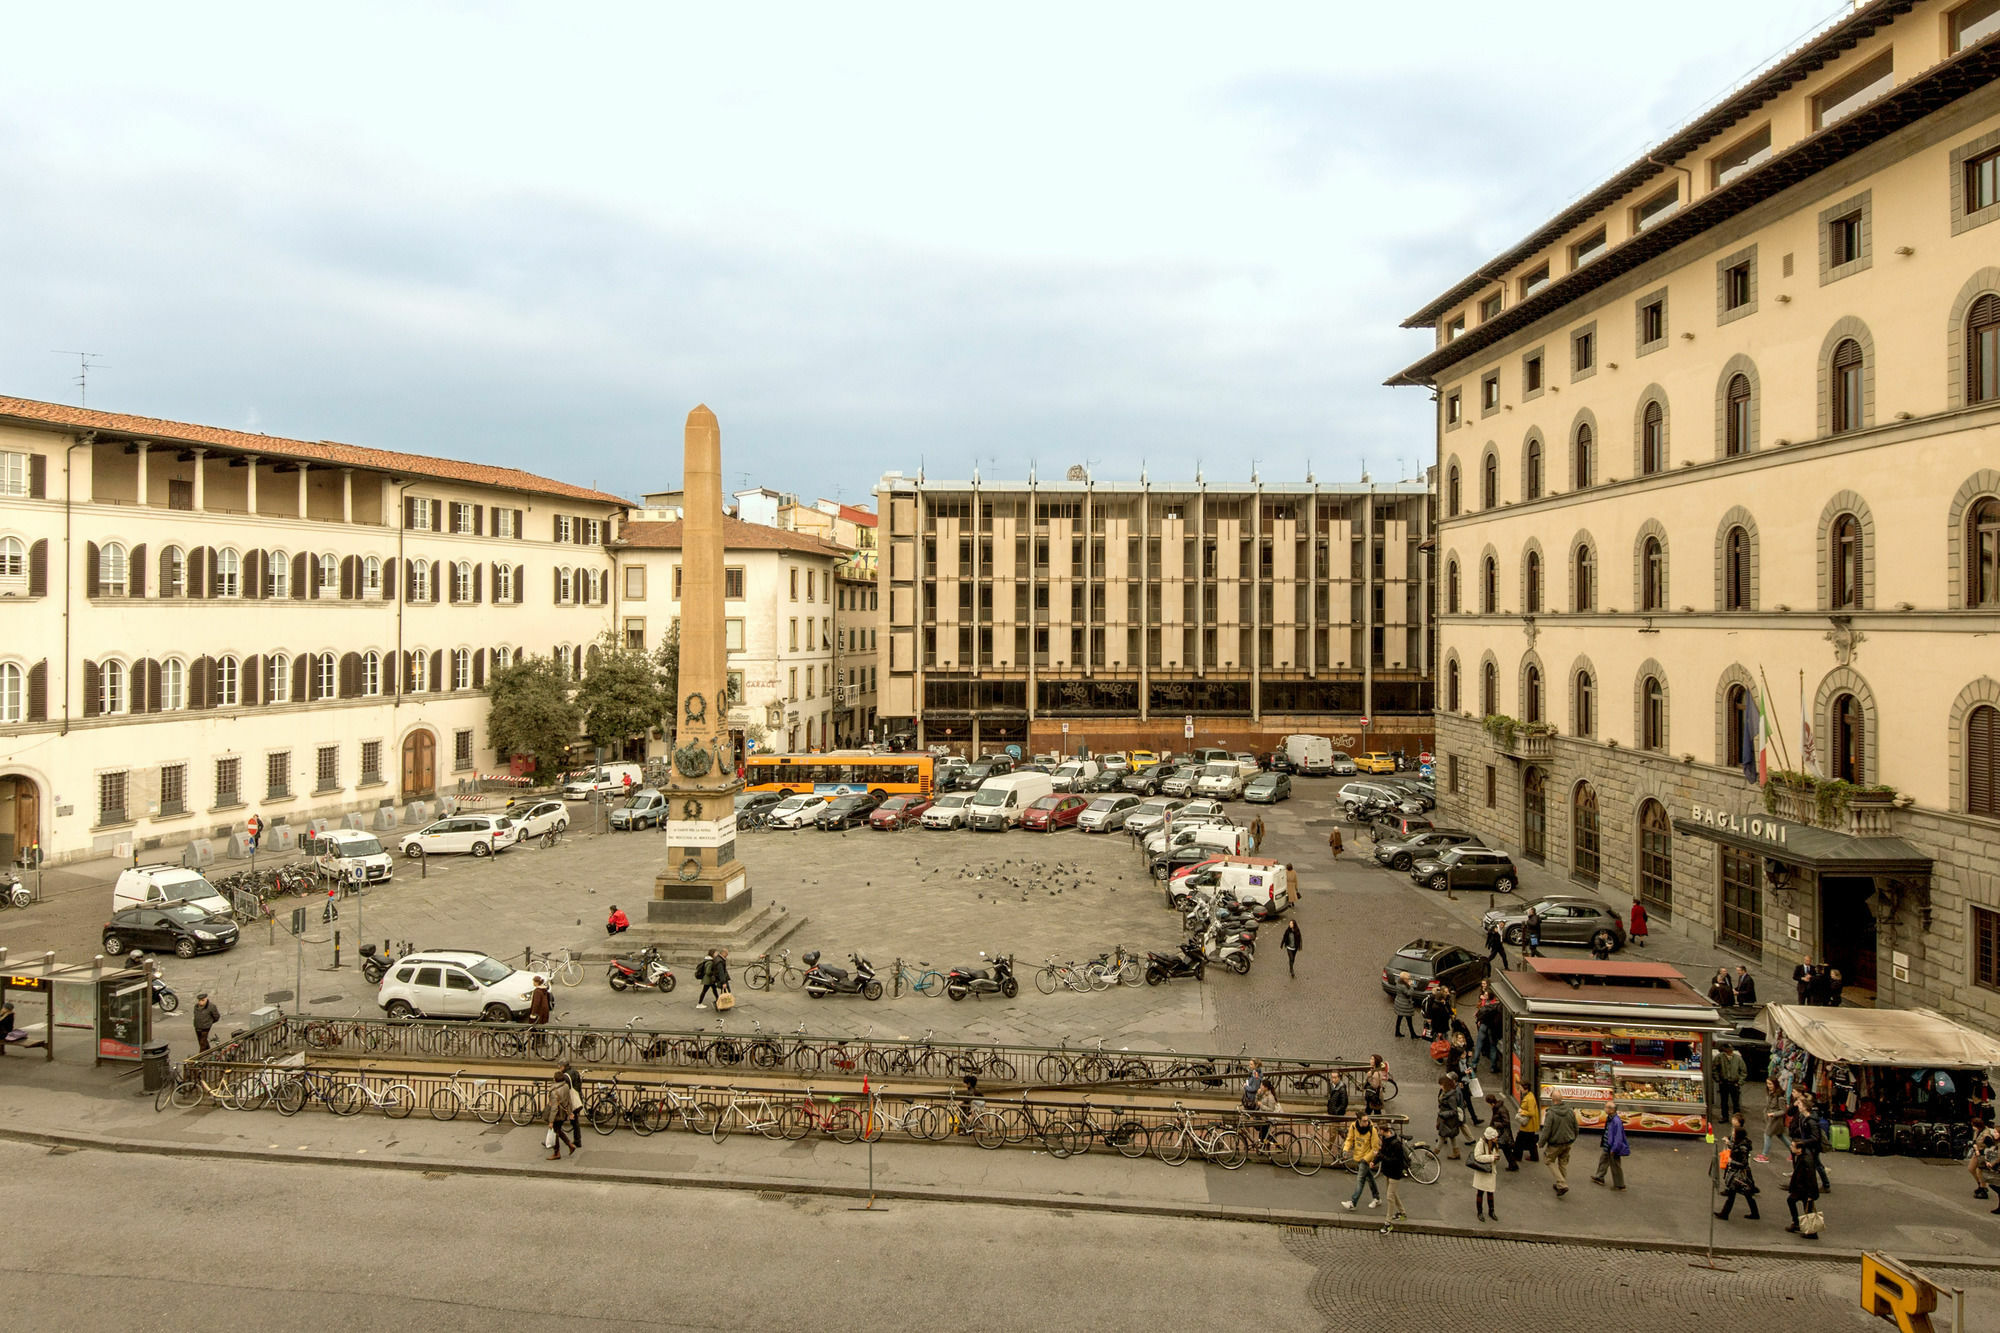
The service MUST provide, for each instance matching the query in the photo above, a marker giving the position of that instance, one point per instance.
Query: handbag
(549, 1139)
(1811, 1224)
(725, 1001)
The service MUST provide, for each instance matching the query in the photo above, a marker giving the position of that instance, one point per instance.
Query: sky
(872, 237)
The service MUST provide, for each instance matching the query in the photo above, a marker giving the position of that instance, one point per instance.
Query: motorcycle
(12, 894)
(1233, 949)
(375, 965)
(964, 981)
(645, 970)
(1189, 962)
(823, 979)
(163, 997)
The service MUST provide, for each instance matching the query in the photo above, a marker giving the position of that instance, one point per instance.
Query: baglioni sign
(1770, 830)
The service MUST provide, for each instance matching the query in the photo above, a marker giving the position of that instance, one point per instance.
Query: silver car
(1107, 814)
(1183, 780)
(1148, 815)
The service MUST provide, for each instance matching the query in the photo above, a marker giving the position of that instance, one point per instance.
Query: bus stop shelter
(80, 1006)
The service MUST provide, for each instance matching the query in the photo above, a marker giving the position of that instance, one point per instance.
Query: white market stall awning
(1891, 1038)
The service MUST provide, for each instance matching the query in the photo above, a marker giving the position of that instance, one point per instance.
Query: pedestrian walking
(1438, 1012)
(1834, 986)
(718, 976)
(1803, 1188)
(1557, 1137)
(562, 1127)
(1613, 1148)
(1371, 1084)
(1362, 1145)
(1450, 1120)
(1802, 979)
(1496, 947)
(206, 1016)
(1334, 844)
(617, 923)
(1738, 1182)
(1486, 1019)
(1730, 1071)
(1809, 1138)
(1721, 990)
(1746, 987)
(1531, 933)
(1253, 1082)
(1774, 1118)
(1983, 1162)
(1638, 931)
(1256, 833)
(1406, 1005)
(540, 1002)
(1528, 1122)
(1500, 1119)
(1485, 1163)
(1392, 1163)
(1291, 940)
(572, 1097)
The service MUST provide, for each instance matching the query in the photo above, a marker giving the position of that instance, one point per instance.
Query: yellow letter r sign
(1893, 1292)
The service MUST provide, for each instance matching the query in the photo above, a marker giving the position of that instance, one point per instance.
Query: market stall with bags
(1887, 1080)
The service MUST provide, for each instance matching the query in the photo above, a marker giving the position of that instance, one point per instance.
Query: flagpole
(1772, 722)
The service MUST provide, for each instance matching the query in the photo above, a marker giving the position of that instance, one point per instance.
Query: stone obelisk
(703, 884)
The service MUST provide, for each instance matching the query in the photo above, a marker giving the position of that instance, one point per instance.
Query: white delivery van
(353, 856)
(999, 802)
(612, 778)
(1073, 774)
(151, 885)
(1309, 755)
(1266, 887)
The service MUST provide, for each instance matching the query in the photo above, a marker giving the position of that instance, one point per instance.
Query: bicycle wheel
(770, 1122)
(1310, 1156)
(875, 1060)
(793, 1122)
(524, 1107)
(547, 1046)
(289, 1096)
(603, 1113)
(766, 1055)
(1015, 1124)
(1424, 1166)
(757, 977)
(1129, 1137)
(1388, 1089)
(988, 1131)
(570, 973)
(696, 1115)
(1052, 1069)
(398, 1101)
(793, 977)
(380, 1039)
(844, 1125)
(931, 984)
(1076, 1137)
(1102, 977)
(590, 1047)
(719, 1129)
(1172, 1145)
(444, 1104)
(1047, 980)
(165, 1096)
(1002, 1069)
(1133, 974)
(926, 1122)
(1227, 1150)
(805, 1057)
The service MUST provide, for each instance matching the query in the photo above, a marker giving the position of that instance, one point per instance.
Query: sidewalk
(1918, 1210)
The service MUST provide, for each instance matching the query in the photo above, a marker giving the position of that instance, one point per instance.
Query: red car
(899, 812)
(1054, 812)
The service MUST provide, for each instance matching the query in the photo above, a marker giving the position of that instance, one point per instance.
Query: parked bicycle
(560, 965)
(759, 972)
(1216, 1142)
(930, 981)
(460, 1094)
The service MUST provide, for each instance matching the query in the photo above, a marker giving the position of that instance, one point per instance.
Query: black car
(850, 811)
(752, 806)
(1425, 960)
(969, 777)
(1402, 853)
(1145, 781)
(178, 928)
(1467, 867)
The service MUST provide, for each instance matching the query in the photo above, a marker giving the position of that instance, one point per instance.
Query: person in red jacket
(618, 923)
(1638, 931)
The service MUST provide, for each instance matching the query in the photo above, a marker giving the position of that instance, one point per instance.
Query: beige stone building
(204, 624)
(1728, 425)
(1057, 614)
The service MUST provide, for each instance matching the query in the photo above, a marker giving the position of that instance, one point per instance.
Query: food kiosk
(1591, 1031)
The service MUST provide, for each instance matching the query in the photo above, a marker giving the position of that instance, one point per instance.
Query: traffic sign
(1187, 727)
(1364, 721)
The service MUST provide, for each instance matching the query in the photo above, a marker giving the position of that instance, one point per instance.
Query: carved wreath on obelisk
(697, 710)
(692, 760)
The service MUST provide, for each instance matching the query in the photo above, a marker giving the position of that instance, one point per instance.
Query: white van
(612, 777)
(162, 882)
(1072, 775)
(353, 856)
(1266, 887)
(999, 802)
(1309, 755)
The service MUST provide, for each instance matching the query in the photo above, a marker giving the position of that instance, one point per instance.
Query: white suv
(455, 983)
(949, 810)
(482, 835)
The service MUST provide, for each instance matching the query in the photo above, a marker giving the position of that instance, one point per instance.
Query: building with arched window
(1810, 504)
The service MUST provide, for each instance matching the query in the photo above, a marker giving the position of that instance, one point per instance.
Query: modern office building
(1726, 429)
(1055, 615)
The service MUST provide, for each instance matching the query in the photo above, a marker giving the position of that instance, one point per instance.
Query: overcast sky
(870, 237)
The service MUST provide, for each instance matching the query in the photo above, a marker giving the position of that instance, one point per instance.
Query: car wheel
(497, 1013)
(1400, 863)
(482, 849)
(113, 946)
(1504, 884)
(401, 1011)
(1435, 882)
(1517, 935)
(184, 948)
(413, 850)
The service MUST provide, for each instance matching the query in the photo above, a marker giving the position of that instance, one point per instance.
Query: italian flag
(1763, 748)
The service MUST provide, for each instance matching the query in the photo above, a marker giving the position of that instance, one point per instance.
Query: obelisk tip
(701, 416)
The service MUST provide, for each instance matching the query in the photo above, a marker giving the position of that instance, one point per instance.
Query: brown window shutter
(38, 691)
(299, 567)
(38, 477)
(520, 533)
(90, 583)
(520, 584)
(437, 516)
(409, 511)
(390, 662)
(409, 581)
(301, 676)
(135, 572)
(166, 579)
(350, 671)
(1982, 761)
(90, 689)
(201, 571)
(556, 586)
(478, 668)
(347, 571)
(438, 681)
(152, 686)
(198, 682)
(479, 583)
(479, 520)
(38, 569)
(256, 564)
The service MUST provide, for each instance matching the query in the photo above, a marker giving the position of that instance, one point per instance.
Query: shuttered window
(1986, 947)
(1736, 417)
(1653, 575)
(1736, 570)
(1534, 581)
(1846, 555)
(1982, 761)
(1653, 440)
(1849, 739)
(1982, 349)
(1585, 470)
(1844, 390)
(1587, 859)
(1656, 858)
(1742, 901)
(1982, 554)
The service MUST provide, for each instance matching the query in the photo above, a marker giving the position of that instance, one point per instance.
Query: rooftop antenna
(1253, 470)
(85, 363)
(1310, 479)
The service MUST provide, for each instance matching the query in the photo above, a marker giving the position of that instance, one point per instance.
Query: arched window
(1451, 598)
(1736, 569)
(1531, 694)
(277, 679)
(1534, 477)
(1736, 417)
(111, 571)
(371, 576)
(1585, 463)
(11, 693)
(1982, 551)
(1535, 813)
(13, 558)
(1848, 758)
(1982, 351)
(329, 575)
(461, 668)
(1982, 761)
(1652, 575)
(461, 582)
(503, 583)
(278, 578)
(1489, 689)
(1844, 557)
(565, 586)
(1586, 579)
(325, 680)
(1844, 387)
(1656, 857)
(1534, 582)
(111, 696)
(228, 682)
(417, 675)
(173, 572)
(1489, 482)
(1451, 498)
(1653, 715)
(1736, 746)
(420, 580)
(503, 658)
(1489, 584)
(1653, 440)
(1588, 858)
(173, 685)
(371, 673)
(228, 573)
(1451, 685)
(1585, 704)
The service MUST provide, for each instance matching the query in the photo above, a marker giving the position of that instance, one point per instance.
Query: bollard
(423, 863)
(336, 951)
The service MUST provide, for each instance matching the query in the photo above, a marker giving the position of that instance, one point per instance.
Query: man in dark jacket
(1558, 1134)
(1392, 1161)
(1802, 980)
(1746, 987)
(206, 1016)
(1496, 947)
(1730, 1071)
(1438, 1012)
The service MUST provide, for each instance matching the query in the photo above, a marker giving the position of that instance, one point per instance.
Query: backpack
(1336, 1097)
(1249, 1098)
(701, 970)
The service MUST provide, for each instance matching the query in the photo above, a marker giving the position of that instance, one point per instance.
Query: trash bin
(154, 1065)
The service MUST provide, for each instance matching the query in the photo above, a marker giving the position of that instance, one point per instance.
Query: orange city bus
(839, 773)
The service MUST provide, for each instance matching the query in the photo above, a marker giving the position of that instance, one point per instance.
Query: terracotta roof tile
(736, 536)
(322, 451)
(863, 517)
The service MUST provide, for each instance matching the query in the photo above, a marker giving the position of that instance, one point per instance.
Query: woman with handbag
(1450, 1122)
(1484, 1160)
(560, 1130)
(1804, 1189)
(1737, 1181)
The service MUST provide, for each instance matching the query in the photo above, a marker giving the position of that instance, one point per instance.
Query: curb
(918, 1194)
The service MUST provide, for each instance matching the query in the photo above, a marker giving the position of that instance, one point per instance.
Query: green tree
(625, 693)
(531, 711)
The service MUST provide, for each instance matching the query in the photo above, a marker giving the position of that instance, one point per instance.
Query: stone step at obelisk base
(682, 945)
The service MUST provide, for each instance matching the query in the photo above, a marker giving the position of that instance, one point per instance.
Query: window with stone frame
(173, 789)
(1586, 835)
(1742, 925)
(228, 782)
(112, 790)
(277, 775)
(327, 768)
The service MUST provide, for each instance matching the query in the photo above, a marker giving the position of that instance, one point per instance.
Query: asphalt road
(190, 1243)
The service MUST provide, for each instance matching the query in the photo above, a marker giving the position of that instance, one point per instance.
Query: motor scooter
(999, 978)
(824, 979)
(1188, 962)
(645, 970)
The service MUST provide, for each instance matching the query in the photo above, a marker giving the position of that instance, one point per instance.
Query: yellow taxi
(1375, 761)
(1144, 759)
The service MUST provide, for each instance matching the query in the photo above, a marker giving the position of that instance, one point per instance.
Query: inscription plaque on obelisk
(702, 883)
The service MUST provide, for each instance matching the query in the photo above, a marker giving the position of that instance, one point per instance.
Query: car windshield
(748, 799)
(357, 847)
(1451, 855)
(1046, 803)
(989, 796)
(953, 800)
(490, 970)
(899, 803)
(1105, 804)
(789, 804)
(1264, 780)
(1219, 771)
(187, 914)
(503, 822)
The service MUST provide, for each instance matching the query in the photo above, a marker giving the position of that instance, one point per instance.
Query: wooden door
(20, 817)
(419, 764)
